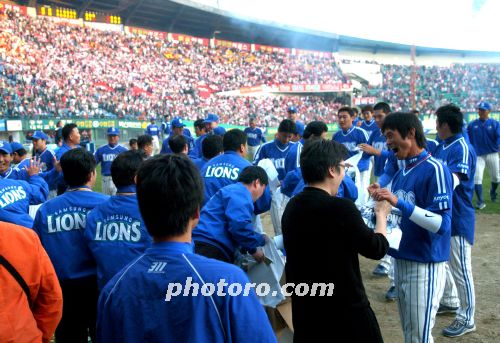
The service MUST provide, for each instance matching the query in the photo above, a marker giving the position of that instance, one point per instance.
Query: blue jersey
(219, 130)
(166, 128)
(276, 152)
(165, 148)
(347, 188)
(197, 151)
(351, 139)
(484, 136)
(226, 221)
(432, 145)
(15, 174)
(133, 307)
(16, 196)
(254, 136)
(369, 126)
(116, 234)
(426, 183)
(62, 149)
(200, 162)
(60, 223)
(292, 159)
(46, 160)
(106, 155)
(460, 159)
(24, 163)
(152, 130)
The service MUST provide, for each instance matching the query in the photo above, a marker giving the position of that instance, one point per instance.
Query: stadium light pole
(213, 37)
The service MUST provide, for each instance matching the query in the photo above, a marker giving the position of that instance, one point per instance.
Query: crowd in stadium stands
(63, 70)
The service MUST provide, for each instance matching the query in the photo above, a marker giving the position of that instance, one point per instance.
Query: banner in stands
(236, 45)
(370, 100)
(266, 48)
(14, 8)
(145, 32)
(312, 53)
(312, 88)
(187, 39)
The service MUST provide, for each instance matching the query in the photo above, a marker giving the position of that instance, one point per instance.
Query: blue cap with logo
(39, 135)
(177, 122)
(15, 146)
(212, 118)
(113, 131)
(5, 147)
(292, 109)
(483, 105)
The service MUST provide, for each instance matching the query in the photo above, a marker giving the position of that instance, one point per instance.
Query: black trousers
(79, 311)
(210, 251)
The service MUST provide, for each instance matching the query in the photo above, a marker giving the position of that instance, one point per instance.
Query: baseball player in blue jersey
(211, 147)
(70, 141)
(60, 223)
(154, 131)
(17, 195)
(169, 192)
(6, 171)
(460, 158)
(45, 155)
(115, 232)
(212, 125)
(351, 137)
(201, 133)
(255, 137)
(226, 220)
(368, 124)
(19, 155)
(484, 135)
(422, 191)
(177, 125)
(105, 155)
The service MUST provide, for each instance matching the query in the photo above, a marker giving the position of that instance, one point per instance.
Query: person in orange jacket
(30, 295)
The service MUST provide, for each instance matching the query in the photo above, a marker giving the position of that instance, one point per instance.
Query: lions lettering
(108, 157)
(12, 194)
(223, 172)
(118, 231)
(66, 222)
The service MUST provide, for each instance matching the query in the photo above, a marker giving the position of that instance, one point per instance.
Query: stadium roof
(188, 17)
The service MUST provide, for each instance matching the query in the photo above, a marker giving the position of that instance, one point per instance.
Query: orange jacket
(18, 322)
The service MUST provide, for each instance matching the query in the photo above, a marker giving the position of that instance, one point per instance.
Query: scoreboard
(70, 13)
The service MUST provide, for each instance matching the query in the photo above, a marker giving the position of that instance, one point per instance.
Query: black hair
(451, 115)
(354, 110)
(132, 141)
(125, 166)
(144, 140)
(177, 143)
(234, 139)
(77, 165)
(66, 130)
(21, 152)
(367, 108)
(318, 156)
(169, 192)
(382, 106)
(287, 126)
(252, 173)
(403, 122)
(346, 109)
(200, 124)
(315, 128)
(211, 146)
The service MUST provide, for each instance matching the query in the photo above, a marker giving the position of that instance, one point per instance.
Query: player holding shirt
(460, 158)
(115, 232)
(106, 155)
(60, 223)
(422, 191)
(484, 135)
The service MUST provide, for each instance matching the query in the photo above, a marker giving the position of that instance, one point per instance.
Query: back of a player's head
(132, 141)
(77, 166)
(404, 122)
(318, 156)
(287, 126)
(233, 140)
(451, 115)
(66, 130)
(382, 106)
(315, 128)
(177, 144)
(143, 141)
(252, 173)
(170, 193)
(212, 146)
(125, 167)
(346, 109)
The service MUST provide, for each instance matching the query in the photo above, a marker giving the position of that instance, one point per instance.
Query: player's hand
(383, 207)
(369, 149)
(266, 238)
(373, 188)
(259, 256)
(385, 194)
(34, 167)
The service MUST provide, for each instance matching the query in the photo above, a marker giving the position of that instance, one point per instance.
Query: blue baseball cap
(177, 122)
(113, 131)
(483, 105)
(211, 118)
(15, 146)
(39, 135)
(299, 128)
(292, 109)
(5, 147)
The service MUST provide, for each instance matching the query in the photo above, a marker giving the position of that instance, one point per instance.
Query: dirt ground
(486, 271)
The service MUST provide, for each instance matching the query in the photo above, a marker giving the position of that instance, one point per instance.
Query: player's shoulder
(211, 270)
